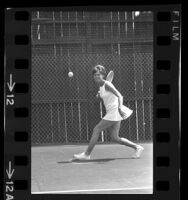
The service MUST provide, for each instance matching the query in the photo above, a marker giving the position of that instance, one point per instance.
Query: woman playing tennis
(115, 113)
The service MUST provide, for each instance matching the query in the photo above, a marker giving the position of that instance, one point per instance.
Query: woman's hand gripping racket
(109, 78)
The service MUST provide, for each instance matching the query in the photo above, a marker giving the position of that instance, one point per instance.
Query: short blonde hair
(99, 68)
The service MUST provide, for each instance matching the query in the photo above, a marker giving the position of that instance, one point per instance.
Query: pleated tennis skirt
(113, 114)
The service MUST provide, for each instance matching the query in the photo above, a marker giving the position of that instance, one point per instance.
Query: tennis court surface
(111, 170)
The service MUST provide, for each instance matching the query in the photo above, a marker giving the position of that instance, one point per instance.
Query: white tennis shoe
(138, 152)
(82, 156)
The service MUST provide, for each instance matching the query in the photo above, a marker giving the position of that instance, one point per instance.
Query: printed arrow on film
(10, 171)
(10, 84)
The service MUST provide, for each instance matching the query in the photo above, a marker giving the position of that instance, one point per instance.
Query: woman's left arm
(111, 88)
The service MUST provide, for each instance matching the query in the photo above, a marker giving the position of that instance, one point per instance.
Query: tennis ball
(137, 13)
(70, 74)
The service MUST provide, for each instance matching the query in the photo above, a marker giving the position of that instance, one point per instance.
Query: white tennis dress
(111, 104)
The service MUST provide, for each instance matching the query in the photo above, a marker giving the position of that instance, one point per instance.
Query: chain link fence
(65, 110)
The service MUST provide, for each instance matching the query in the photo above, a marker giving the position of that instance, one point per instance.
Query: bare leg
(114, 133)
(103, 124)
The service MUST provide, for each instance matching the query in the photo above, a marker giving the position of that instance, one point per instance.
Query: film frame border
(17, 165)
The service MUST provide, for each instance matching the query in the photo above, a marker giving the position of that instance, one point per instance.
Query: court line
(93, 190)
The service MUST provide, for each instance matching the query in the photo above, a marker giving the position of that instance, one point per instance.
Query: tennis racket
(110, 76)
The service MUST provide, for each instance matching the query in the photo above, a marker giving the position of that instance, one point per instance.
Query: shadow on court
(111, 170)
(92, 160)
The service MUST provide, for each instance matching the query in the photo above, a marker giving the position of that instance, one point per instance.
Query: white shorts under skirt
(113, 115)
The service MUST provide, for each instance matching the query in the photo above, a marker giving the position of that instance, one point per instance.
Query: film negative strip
(49, 116)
